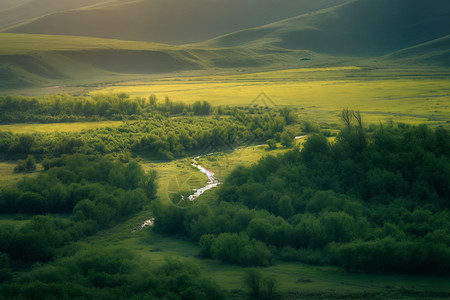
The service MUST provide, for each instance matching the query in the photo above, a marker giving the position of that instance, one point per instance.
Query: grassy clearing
(15, 221)
(180, 176)
(408, 96)
(57, 127)
(175, 176)
(8, 176)
(221, 164)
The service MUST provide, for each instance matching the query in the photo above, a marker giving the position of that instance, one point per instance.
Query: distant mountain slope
(359, 27)
(436, 52)
(167, 21)
(12, 13)
(6, 4)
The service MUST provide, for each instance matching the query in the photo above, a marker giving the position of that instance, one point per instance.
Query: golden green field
(410, 96)
(57, 127)
(26, 43)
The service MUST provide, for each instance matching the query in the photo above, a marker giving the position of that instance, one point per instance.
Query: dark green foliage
(263, 287)
(95, 189)
(388, 190)
(97, 192)
(66, 108)
(365, 196)
(26, 165)
(155, 134)
(111, 272)
(36, 241)
(239, 249)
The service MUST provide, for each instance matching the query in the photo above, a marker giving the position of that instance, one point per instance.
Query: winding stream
(212, 180)
(211, 183)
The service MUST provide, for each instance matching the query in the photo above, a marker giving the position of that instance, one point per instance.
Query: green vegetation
(332, 203)
(99, 168)
(407, 95)
(156, 134)
(377, 193)
(27, 165)
(94, 193)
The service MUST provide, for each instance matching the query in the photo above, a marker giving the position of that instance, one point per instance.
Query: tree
(272, 143)
(288, 115)
(286, 139)
(260, 286)
(26, 141)
(27, 165)
(253, 279)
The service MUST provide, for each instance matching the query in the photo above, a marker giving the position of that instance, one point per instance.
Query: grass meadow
(57, 127)
(409, 96)
(8, 176)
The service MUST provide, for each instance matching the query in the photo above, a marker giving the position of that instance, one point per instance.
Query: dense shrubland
(93, 192)
(155, 133)
(110, 273)
(40, 260)
(66, 108)
(375, 201)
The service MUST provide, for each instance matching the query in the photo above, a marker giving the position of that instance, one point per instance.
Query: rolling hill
(408, 32)
(355, 28)
(85, 60)
(18, 11)
(435, 53)
(183, 21)
(7, 4)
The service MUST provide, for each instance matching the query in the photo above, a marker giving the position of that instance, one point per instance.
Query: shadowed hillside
(436, 52)
(360, 27)
(183, 21)
(82, 60)
(7, 4)
(17, 11)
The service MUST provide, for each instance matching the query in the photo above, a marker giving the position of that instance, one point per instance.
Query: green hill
(85, 60)
(7, 4)
(81, 58)
(358, 28)
(436, 52)
(183, 21)
(18, 11)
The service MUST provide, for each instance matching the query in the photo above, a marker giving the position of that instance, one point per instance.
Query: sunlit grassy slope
(153, 20)
(44, 60)
(14, 12)
(360, 27)
(413, 96)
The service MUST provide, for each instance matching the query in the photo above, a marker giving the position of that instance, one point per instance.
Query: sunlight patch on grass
(8, 176)
(320, 94)
(57, 127)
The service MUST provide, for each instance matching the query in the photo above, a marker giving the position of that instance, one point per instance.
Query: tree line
(67, 108)
(160, 136)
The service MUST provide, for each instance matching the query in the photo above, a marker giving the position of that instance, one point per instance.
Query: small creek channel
(211, 183)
